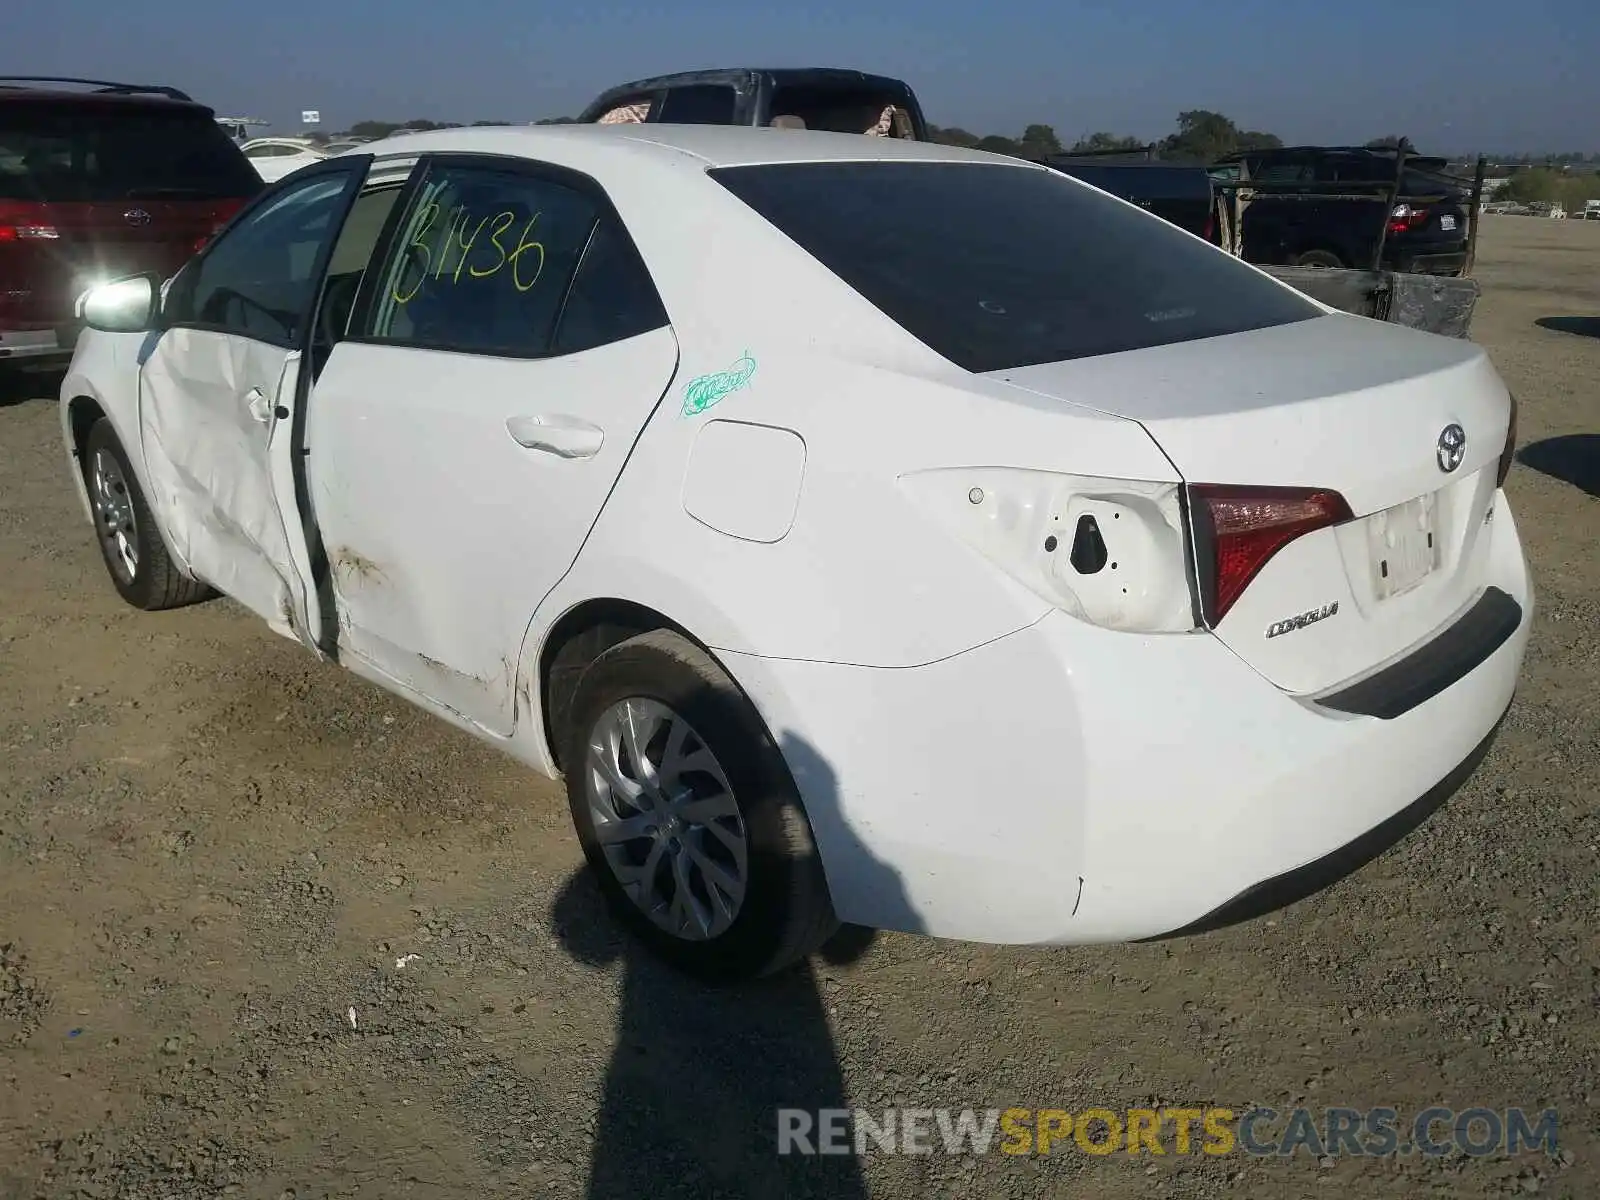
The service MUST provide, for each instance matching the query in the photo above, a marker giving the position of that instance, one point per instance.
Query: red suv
(99, 180)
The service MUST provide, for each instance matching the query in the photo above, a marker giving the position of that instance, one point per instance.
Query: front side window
(482, 262)
(259, 279)
(998, 266)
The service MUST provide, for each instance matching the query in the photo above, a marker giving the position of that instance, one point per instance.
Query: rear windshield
(998, 266)
(97, 152)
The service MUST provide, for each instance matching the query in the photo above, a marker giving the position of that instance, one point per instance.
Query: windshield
(95, 152)
(997, 266)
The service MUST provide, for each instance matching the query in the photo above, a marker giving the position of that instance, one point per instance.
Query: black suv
(97, 180)
(1419, 212)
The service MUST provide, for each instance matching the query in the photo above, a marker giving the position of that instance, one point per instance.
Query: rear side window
(999, 266)
(699, 104)
(612, 297)
(483, 262)
(93, 152)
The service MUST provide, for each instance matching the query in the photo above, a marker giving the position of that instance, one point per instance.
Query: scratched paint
(700, 394)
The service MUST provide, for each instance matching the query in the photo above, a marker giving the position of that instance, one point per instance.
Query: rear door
(218, 392)
(463, 439)
(95, 187)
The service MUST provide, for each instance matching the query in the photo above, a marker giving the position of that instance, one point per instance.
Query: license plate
(1404, 546)
(1447, 222)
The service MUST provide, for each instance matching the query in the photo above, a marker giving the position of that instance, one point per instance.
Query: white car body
(989, 744)
(275, 157)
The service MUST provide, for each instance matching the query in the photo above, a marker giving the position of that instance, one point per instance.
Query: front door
(217, 393)
(462, 440)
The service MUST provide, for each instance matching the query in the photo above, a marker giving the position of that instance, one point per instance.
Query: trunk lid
(1337, 402)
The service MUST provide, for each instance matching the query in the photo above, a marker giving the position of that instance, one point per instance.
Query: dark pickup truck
(827, 98)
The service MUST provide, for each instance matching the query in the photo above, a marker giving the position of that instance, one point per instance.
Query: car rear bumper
(36, 343)
(1067, 784)
(1444, 262)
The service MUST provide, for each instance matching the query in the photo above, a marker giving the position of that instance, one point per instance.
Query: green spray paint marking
(702, 393)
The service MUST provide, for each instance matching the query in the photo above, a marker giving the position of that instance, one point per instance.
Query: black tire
(153, 583)
(1318, 258)
(786, 913)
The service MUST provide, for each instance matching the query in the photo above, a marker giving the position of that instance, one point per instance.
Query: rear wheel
(1318, 258)
(688, 814)
(135, 556)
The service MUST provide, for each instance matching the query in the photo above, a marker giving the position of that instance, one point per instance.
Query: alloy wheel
(113, 506)
(666, 820)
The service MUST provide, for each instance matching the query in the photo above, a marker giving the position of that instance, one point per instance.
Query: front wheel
(688, 814)
(135, 556)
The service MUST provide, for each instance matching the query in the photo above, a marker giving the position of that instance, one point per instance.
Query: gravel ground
(218, 859)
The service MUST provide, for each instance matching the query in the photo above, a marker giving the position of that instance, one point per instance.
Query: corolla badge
(1452, 448)
(1301, 620)
(136, 216)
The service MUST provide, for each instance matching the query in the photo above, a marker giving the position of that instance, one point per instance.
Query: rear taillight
(1510, 451)
(1238, 529)
(26, 222)
(1407, 217)
(1210, 233)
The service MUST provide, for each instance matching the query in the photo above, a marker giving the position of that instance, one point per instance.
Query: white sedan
(864, 530)
(275, 157)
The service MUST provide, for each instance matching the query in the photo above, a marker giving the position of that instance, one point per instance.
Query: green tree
(1038, 141)
(1097, 142)
(1536, 186)
(1203, 135)
(996, 144)
(952, 136)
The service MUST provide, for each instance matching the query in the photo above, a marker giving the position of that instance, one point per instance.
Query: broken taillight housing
(1237, 530)
(1510, 451)
(1406, 217)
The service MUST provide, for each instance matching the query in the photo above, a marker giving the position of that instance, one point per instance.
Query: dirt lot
(213, 851)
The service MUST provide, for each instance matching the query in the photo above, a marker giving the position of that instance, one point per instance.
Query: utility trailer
(1441, 304)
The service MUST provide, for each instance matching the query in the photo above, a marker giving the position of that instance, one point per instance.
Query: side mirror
(121, 306)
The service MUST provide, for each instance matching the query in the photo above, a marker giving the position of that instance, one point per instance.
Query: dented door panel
(446, 516)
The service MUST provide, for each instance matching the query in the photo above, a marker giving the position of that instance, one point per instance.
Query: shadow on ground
(699, 1074)
(1580, 326)
(18, 384)
(1573, 458)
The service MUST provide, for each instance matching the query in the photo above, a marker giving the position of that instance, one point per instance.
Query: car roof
(32, 91)
(709, 145)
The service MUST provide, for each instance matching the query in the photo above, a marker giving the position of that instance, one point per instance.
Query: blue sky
(1465, 75)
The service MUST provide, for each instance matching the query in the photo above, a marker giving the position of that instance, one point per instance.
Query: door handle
(558, 434)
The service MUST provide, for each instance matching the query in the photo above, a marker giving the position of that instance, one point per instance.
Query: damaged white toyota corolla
(865, 530)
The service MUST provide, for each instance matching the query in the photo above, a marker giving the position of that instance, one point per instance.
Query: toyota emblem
(1452, 448)
(136, 216)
